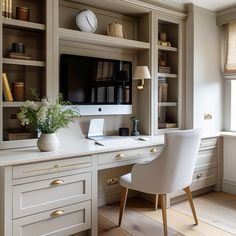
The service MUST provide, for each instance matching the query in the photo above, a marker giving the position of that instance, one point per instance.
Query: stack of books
(164, 69)
(7, 8)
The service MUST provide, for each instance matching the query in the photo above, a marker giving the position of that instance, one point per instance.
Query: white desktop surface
(70, 148)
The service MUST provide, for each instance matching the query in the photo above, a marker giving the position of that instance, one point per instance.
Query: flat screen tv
(98, 86)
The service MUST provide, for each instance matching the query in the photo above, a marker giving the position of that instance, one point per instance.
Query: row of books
(6, 89)
(164, 69)
(7, 8)
(105, 70)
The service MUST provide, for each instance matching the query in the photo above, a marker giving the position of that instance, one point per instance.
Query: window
(230, 64)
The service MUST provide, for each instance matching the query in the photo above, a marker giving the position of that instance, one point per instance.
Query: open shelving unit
(168, 75)
(31, 72)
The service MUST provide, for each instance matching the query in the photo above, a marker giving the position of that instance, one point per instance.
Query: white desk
(36, 184)
(53, 190)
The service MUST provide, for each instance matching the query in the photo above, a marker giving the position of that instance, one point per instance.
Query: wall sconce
(141, 73)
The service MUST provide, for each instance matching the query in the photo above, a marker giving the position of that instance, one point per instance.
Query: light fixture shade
(141, 72)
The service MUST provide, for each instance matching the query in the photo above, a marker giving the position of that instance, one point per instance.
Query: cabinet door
(57, 222)
(39, 196)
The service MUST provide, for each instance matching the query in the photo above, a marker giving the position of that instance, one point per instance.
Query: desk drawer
(57, 222)
(208, 143)
(206, 159)
(32, 198)
(204, 178)
(125, 155)
(49, 167)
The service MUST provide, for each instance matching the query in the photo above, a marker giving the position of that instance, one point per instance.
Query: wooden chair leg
(156, 202)
(190, 199)
(164, 215)
(124, 193)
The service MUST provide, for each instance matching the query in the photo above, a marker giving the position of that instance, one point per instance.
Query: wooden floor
(216, 212)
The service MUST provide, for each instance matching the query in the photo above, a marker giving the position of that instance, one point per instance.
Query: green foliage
(46, 117)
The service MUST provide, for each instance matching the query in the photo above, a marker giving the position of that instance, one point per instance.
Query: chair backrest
(173, 169)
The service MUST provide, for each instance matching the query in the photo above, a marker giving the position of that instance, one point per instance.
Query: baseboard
(229, 186)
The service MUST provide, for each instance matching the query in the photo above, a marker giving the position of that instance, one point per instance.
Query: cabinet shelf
(167, 104)
(165, 48)
(23, 62)
(19, 24)
(166, 75)
(102, 40)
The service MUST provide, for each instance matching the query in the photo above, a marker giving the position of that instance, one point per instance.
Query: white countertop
(70, 148)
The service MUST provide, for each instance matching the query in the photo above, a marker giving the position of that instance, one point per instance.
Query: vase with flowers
(47, 118)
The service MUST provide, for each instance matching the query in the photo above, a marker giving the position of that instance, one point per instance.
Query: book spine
(3, 8)
(6, 8)
(10, 8)
(6, 88)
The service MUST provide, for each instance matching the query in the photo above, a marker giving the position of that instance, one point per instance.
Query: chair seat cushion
(125, 180)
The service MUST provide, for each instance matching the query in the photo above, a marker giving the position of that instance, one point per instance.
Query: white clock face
(86, 20)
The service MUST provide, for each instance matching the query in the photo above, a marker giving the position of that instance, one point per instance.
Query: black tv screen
(89, 80)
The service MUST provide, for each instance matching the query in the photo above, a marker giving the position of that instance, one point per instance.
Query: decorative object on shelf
(22, 56)
(135, 121)
(116, 30)
(167, 125)
(6, 88)
(123, 131)
(86, 21)
(18, 51)
(23, 13)
(162, 92)
(18, 90)
(18, 47)
(47, 118)
(163, 41)
(141, 73)
(18, 135)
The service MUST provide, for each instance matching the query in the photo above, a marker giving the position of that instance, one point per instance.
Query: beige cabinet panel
(57, 222)
(49, 167)
(40, 196)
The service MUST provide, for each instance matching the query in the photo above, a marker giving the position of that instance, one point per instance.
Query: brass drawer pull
(153, 150)
(57, 213)
(57, 182)
(120, 156)
(57, 166)
(199, 176)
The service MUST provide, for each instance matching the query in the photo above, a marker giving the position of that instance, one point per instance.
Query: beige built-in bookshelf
(52, 31)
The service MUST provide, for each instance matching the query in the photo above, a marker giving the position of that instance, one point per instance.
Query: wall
(204, 84)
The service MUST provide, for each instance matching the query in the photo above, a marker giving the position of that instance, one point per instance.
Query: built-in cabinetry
(26, 71)
(60, 195)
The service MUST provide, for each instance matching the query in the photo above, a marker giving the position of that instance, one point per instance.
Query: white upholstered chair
(169, 172)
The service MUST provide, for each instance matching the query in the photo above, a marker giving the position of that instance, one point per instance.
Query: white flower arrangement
(46, 117)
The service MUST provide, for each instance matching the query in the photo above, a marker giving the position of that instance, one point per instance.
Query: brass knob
(199, 176)
(153, 150)
(57, 182)
(57, 166)
(120, 156)
(57, 213)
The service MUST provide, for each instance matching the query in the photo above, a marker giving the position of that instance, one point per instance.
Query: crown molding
(226, 16)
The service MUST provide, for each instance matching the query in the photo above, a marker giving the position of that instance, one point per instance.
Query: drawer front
(49, 167)
(208, 143)
(40, 196)
(125, 155)
(57, 222)
(206, 159)
(205, 177)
